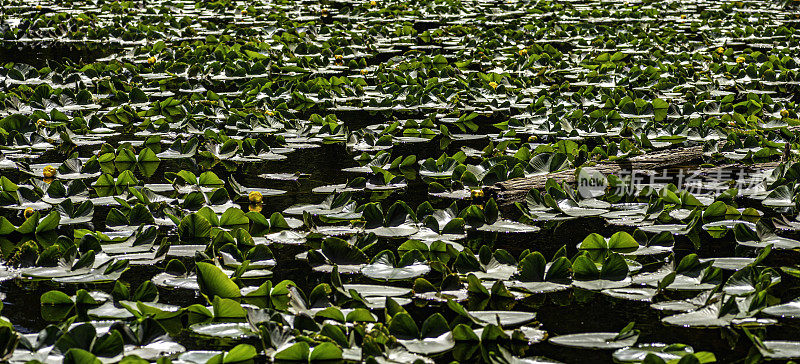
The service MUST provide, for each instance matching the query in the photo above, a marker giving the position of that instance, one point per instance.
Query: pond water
(310, 180)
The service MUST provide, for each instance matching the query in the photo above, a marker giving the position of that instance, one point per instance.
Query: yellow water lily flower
(740, 59)
(476, 193)
(784, 113)
(720, 50)
(255, 197)
(151, 60)
(28, 212)
(493, 84)
(49, 172)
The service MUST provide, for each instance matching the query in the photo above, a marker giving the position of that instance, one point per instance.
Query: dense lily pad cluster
(256, 181)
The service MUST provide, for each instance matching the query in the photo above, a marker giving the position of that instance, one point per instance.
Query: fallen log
(514, 190)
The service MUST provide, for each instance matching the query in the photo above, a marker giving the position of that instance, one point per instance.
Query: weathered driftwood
(514, 190)
(736, 166)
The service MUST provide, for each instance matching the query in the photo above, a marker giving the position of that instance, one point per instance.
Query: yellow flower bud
(784, 113)
(477, 193)
(49, 172)
(255, 197)
(493, 84)
(28, 212)
(151, 60)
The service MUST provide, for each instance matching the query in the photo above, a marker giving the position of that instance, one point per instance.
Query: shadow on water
(38, 54)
